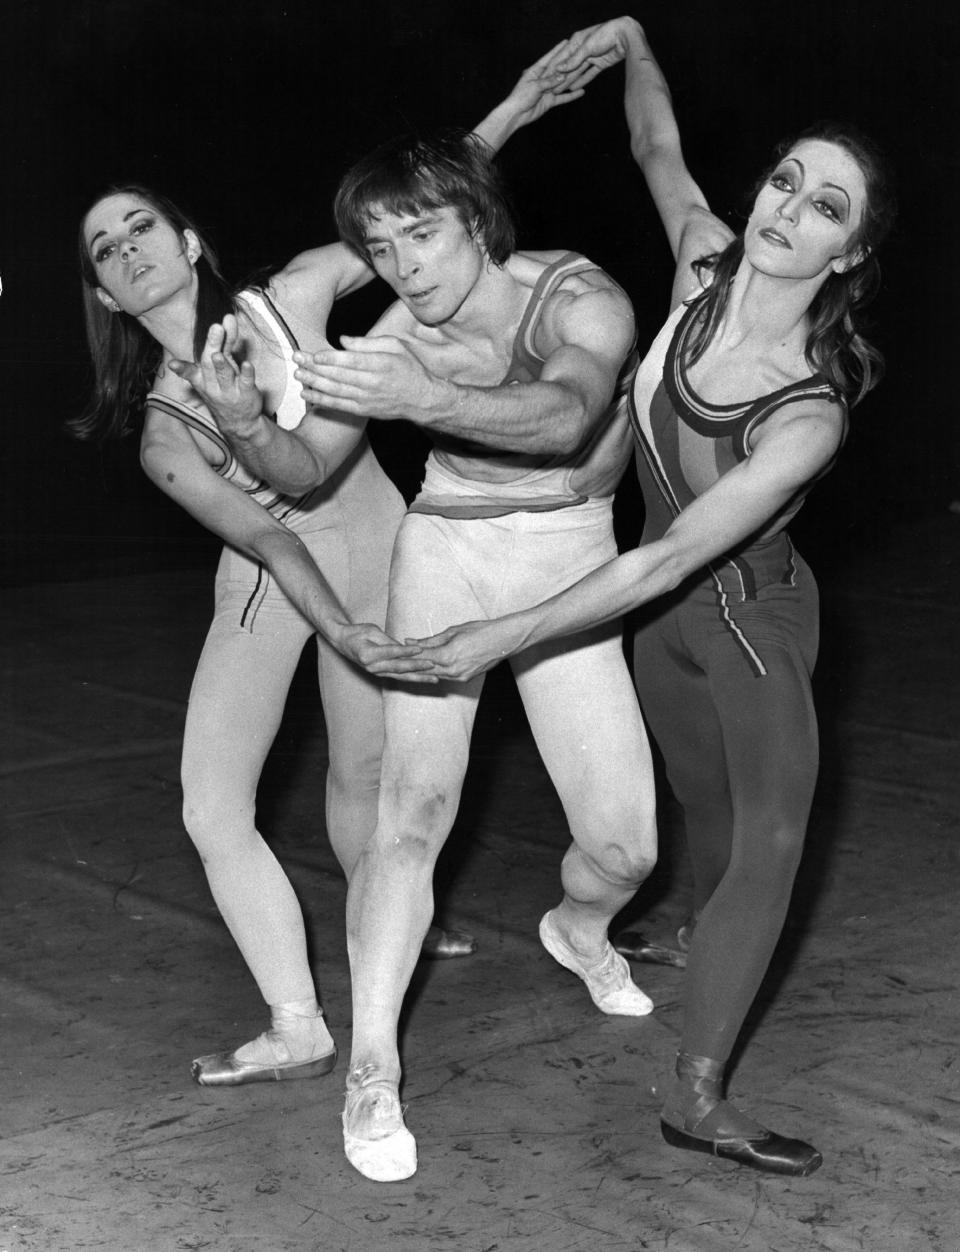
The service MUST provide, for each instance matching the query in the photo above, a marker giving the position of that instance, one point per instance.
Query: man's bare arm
(540, 88)
(590, 337)
(296, 461)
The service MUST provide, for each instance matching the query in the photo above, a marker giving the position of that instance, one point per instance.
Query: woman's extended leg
(768, 750)
(236, 704)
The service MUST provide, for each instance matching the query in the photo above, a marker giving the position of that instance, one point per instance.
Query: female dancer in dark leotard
(740, 406)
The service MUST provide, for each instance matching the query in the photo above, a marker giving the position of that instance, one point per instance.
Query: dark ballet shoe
(772, 1153)
(701, 1077)
(222, 1069)
(635, 946)
(447, 945)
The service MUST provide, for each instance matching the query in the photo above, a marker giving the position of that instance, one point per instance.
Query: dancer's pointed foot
(375, 1139)
(607, 977)
(696, 1117)
(297, 1045)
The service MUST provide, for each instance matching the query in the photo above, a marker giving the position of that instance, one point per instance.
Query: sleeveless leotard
(685, 444)
(554, 482)
(292, 511)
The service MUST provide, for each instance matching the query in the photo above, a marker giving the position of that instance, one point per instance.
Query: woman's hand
(227, 389)
(374, 651)
(595, 48)
(461, 652)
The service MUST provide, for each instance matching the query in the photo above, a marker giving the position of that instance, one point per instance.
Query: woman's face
(139, 259)
(807, 214)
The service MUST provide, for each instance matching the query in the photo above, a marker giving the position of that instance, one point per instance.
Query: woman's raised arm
(692, 230)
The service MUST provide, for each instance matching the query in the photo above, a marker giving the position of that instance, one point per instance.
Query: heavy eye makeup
(830, 209)
(139, 227)
(829, 206)
(781, 181)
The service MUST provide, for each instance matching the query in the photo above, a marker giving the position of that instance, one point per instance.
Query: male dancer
(515, 365)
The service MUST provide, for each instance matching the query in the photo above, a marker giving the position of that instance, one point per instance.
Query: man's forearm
(499, 124)
(541, 418)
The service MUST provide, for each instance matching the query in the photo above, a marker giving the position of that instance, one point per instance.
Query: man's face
(429, 258)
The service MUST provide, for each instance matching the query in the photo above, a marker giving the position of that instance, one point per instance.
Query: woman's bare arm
(792, 453)
(172, 460)
(692, 230)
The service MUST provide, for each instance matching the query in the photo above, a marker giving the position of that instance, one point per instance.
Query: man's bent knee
(621, 866)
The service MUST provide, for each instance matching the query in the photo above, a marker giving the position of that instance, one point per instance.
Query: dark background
(248, 113)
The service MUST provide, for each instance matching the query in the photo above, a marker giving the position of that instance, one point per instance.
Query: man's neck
(492, 311)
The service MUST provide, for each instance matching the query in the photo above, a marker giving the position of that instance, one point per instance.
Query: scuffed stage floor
(534, 1114)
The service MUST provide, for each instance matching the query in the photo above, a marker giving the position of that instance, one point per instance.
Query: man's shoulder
(573, 271)
(583, 294)
(527, 268)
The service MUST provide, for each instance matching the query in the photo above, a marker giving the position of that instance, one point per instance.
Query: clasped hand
(595, 48)
(468, 649)
(227, 389)
(377, 653)
(373, 377)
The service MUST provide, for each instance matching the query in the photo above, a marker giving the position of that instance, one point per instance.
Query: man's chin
(429, 317)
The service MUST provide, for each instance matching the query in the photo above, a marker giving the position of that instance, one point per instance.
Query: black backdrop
(248, 113)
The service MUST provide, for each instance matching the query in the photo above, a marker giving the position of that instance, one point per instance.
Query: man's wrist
(444, 401)
(496, 127)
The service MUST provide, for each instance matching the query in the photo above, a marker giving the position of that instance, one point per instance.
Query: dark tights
(741, 753)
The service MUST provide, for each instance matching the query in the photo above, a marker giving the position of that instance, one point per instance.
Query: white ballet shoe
(388, 1152)
(607, 979)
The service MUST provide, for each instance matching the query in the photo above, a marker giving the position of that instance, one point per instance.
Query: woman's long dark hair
(835, 346)
(125, 357)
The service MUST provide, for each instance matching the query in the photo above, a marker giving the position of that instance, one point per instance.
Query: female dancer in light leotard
(740, 406)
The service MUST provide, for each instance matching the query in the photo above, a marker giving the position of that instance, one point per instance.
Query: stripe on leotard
(673, 405)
